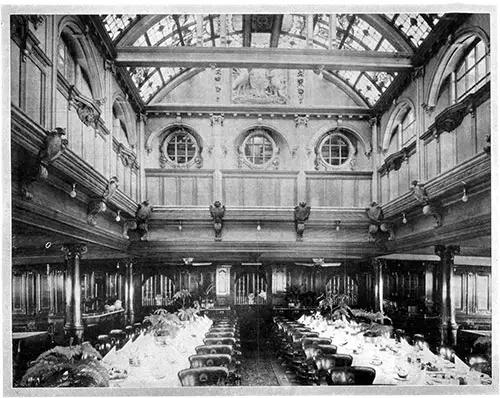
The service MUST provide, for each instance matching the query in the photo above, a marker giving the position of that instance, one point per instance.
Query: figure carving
(379, 231)
(53, 147)
(302, 212)
(428, 208)
(217, 211)
(242, 82)
(142, 215)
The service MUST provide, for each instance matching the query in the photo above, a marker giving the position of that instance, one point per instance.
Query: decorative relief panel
(259, 86)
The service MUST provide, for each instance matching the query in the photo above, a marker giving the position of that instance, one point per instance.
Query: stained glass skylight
(353, 33)
(116, 24)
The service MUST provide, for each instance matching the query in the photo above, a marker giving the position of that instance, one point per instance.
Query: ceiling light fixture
(72, 193)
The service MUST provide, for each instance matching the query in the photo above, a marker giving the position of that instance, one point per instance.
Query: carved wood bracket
(452, 117)
(97, 206)
(88, 110)
(428, 208)
(394, 161)
(379, 230)
(217, 211)
(53, 147)
(301, 215)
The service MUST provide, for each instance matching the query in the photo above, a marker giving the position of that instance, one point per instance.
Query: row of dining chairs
(117, 338)
(313, 359)
(217, 361)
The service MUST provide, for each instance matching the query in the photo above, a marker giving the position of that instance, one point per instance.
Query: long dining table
(150, 362)
(395, 363)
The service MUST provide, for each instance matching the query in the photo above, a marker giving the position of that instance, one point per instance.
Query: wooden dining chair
(215, 349)
(206, 376)
(218, 335)
(204, 360)
(220, 340)
(307, 341)
(103, 344)
(353, 375)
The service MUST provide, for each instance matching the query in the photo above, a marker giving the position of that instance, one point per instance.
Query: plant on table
(73, 366)
(292, 295)
(336, 305)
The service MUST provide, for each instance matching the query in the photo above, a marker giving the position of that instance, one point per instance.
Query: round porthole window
(259, 150)
(334, 150)
(181, 147)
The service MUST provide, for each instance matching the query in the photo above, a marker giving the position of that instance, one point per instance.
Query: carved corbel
(301, 120)
(217, 211)
(428, 208)
(379, 231)
(301, 215)
(139, 224)
(487, 147)
(53, 147)
(94, 208)
(111, 188)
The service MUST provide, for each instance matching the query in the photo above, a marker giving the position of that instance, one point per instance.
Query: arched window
(69, 66)
(473, 71)
(402, 128)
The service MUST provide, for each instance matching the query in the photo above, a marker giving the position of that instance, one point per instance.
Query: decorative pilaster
(73, 320)
(129, 281)
(378, 285)
(448, 325)
(219, 151)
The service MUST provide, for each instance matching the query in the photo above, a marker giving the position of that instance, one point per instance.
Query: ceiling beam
(199, 57)
(276, 29)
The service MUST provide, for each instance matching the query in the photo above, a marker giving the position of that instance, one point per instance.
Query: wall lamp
(258, 226)
(405, 220)
(465, 198)
(180, 225)
(118, 217)
(72, 193)
(337, 225)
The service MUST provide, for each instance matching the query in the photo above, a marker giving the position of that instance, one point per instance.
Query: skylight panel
(171, 73)
(161, 30)
(414, 26)
(386, 46)
(321, 38)
(366, 34)
(298, 25)
(367, 89)
(289, 41)
(116, 24)
(350, 76)
(141, 41)
(261, 40)
(153, 84)
(139, 75)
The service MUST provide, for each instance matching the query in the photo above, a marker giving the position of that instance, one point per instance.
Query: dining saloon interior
(244, 200)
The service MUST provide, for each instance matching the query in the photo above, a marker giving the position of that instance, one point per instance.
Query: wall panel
(338, 189)
(259, 188)
(179, 187)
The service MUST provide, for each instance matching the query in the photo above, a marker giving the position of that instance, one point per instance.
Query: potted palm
(292, 296)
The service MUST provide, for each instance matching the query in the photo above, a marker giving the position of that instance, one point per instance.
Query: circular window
(334, 150)
(181, 147)
(258, 149)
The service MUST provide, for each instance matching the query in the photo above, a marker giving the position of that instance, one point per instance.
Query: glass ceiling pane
(116, 24)
(352, 32)
(414, 26)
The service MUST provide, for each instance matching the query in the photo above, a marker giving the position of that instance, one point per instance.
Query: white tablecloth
(150, 364)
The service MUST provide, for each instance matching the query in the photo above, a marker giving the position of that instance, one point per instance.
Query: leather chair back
(206, 376)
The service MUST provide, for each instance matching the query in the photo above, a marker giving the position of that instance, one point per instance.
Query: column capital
(447, 253)
(74, 250)
(217, 119)
(301, 120)
(373, 121)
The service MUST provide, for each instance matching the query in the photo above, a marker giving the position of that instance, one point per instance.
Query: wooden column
(430, 271)
(301, 131)
(73, 324)
(374, 123)
(448, 325)
(378, 285)
(129, 267)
